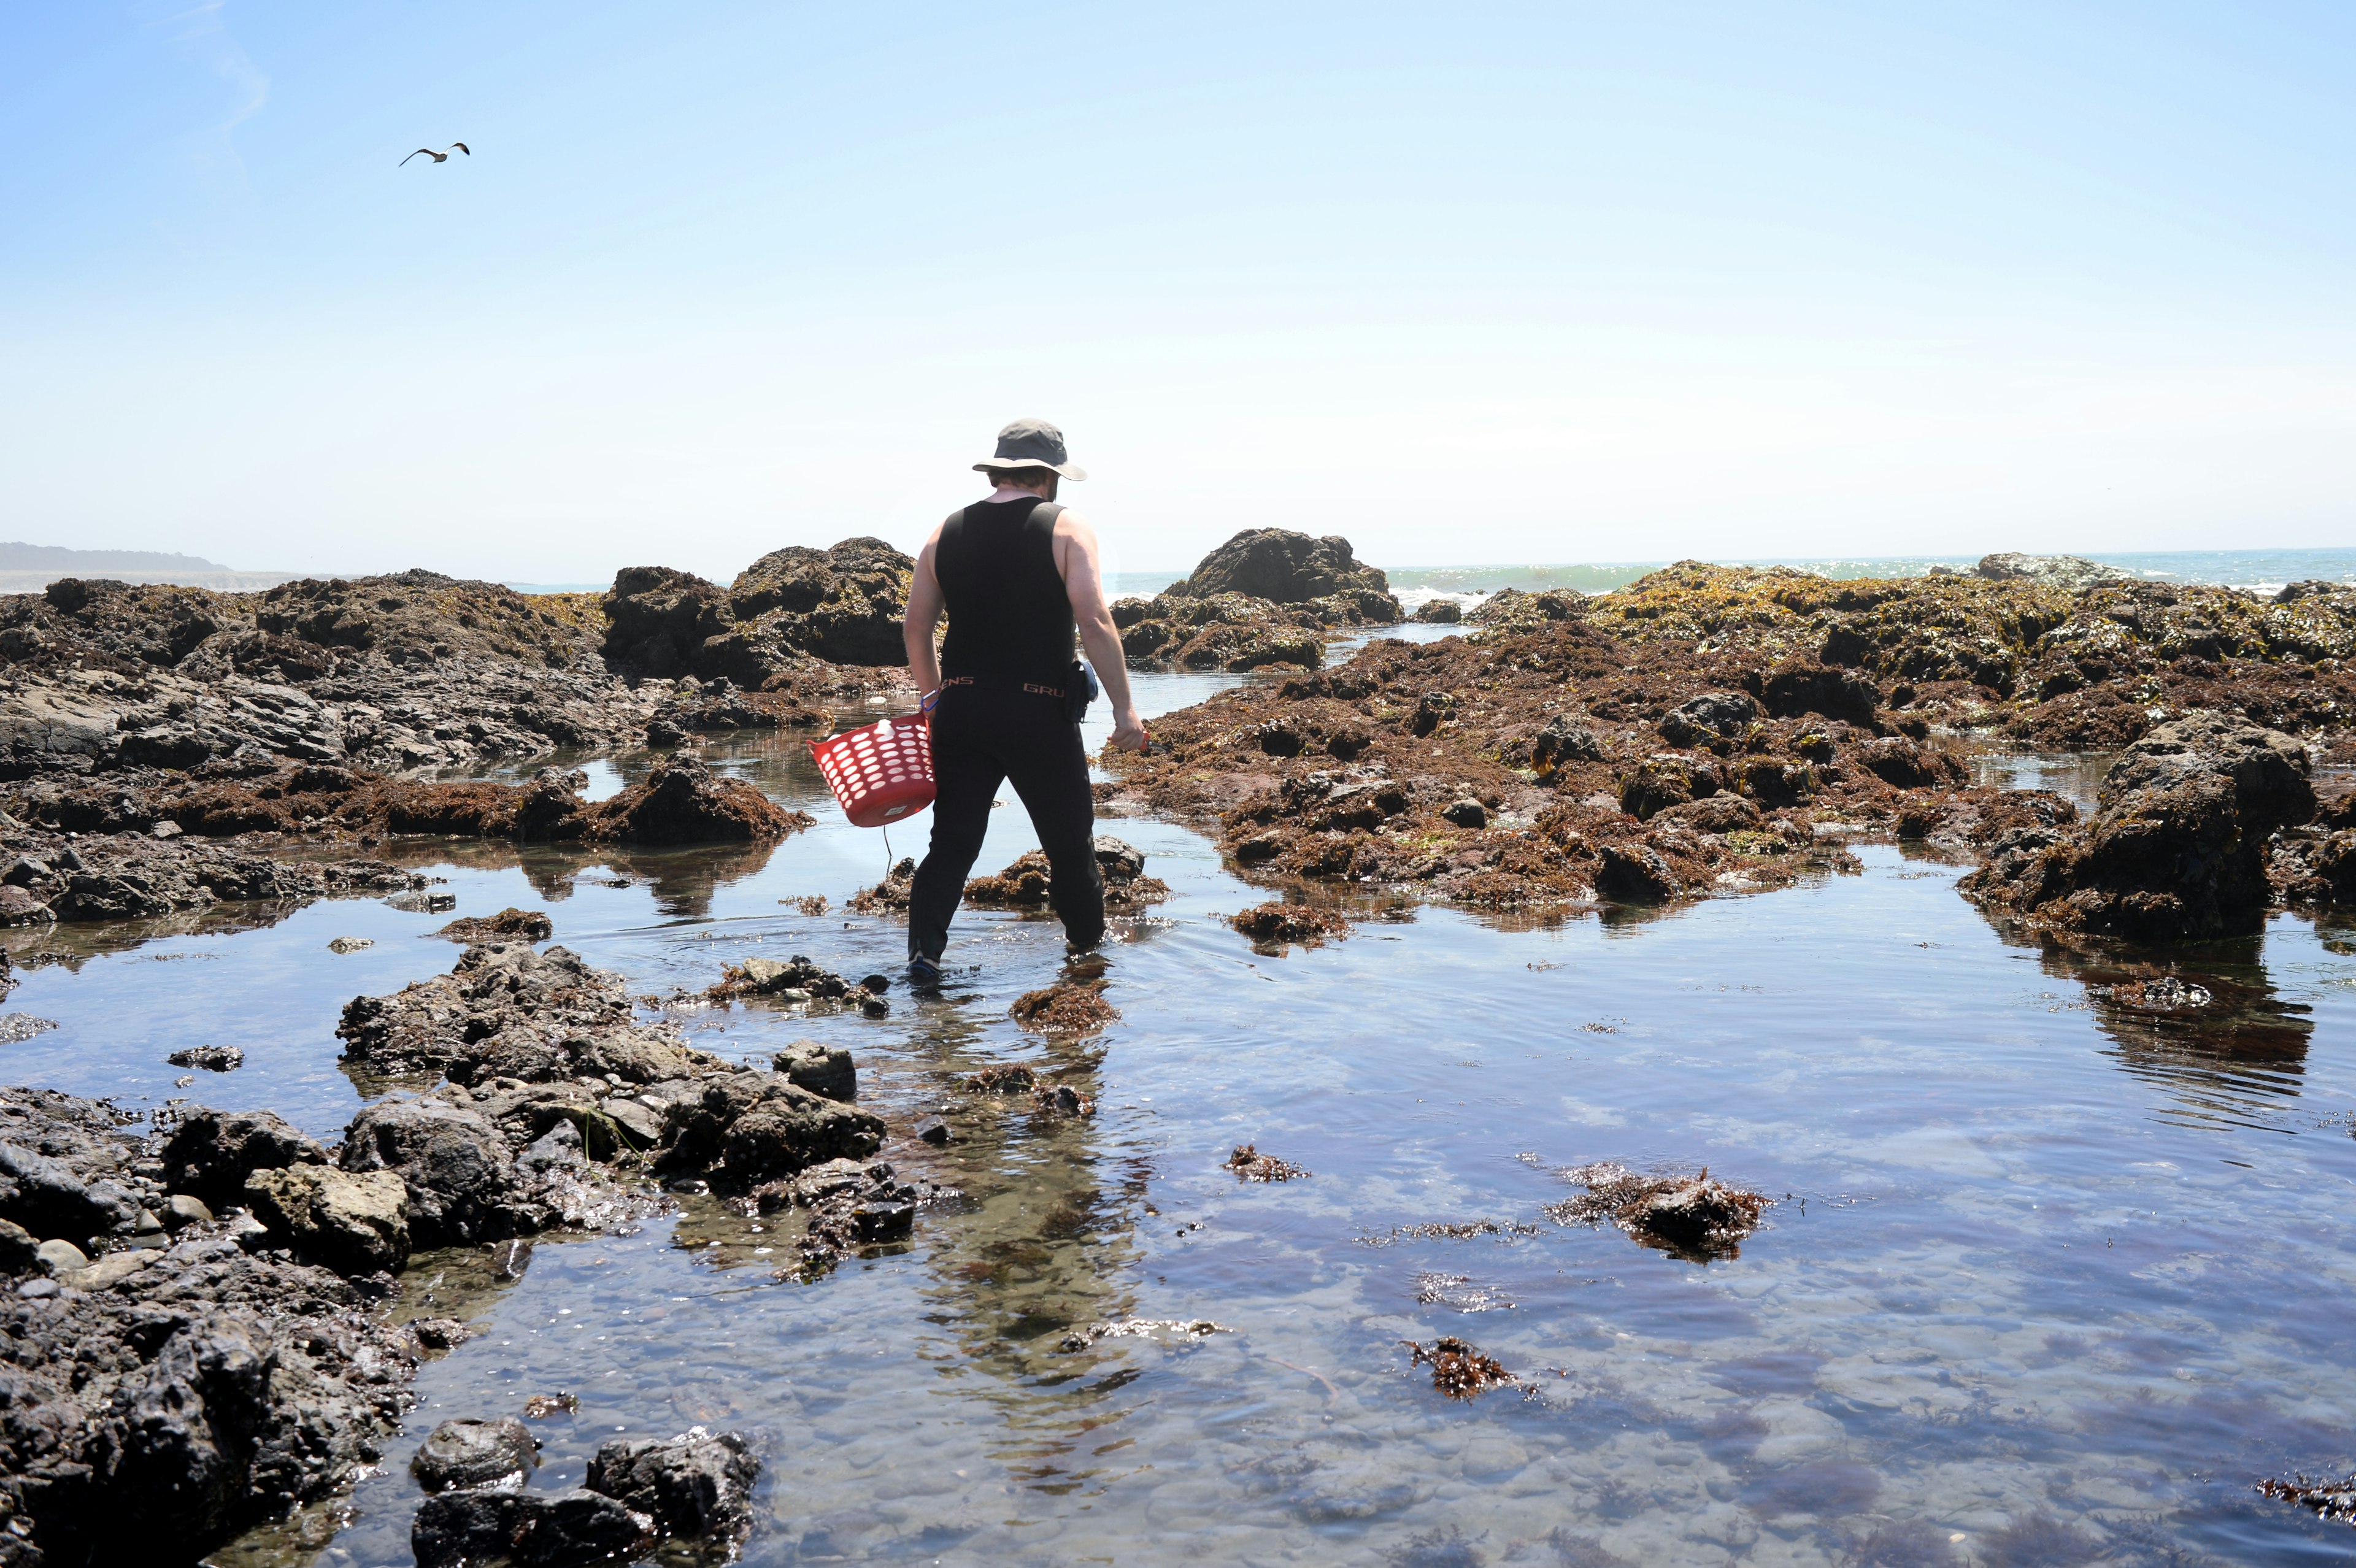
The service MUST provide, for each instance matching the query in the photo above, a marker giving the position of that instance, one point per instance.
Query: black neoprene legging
(985, 735)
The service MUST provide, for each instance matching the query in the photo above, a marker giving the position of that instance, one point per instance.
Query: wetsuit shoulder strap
(1043, 516)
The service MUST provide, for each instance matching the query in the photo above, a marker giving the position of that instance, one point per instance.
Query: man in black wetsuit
(1017, 574)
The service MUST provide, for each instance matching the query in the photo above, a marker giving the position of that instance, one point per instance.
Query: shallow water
(2044, 1279)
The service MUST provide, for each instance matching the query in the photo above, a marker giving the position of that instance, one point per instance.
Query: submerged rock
(465, 1456)
(212, 1058)
(1249, 1165)
(1067, 1007)
(1693, 1217)
(1276, 922)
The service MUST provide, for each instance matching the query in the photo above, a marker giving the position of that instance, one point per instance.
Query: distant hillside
(64, 561)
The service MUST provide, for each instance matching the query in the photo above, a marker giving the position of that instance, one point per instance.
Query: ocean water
(2044, 1280)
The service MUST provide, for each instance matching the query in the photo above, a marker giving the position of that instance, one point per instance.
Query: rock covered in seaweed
(2178, 847)
(1697, 1218)
(1029, 881)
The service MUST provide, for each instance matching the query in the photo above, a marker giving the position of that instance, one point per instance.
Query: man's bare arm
(924, 607)
(1075, 558)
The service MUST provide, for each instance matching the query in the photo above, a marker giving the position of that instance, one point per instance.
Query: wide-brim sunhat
(1033, 443)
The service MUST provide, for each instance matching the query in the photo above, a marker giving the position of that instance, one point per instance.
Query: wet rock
(932, 1130)
(789, 1128)
(212, 1058)
(683, 802)
(1712, 718)
(530, 1530)
(1249, 1165)
(210, 1152)
(1467, 812)
(351, 1223)
(693, 1486)
(1634, 874)
(1695, 1217)
(1067, 1007)
(1277, 922)
(559, 1146)
(1716, 814)
(18, 906)
(1439, 612)
(1801, 686)
(821, 1069)
(465, 1456)
(17, 1028)
(453, 1163)
(439, 1333)
(344, 944)
(1561, 742)
(1284, 567)
(1028, 883)
(795, 979)
(543, 1406)
(889, 896)
(508, 926)
(1457, 1369)
(50, 1199)
(2178, 848)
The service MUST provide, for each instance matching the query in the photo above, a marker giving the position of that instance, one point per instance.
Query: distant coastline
(30, 567)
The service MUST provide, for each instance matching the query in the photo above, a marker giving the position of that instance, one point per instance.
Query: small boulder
(1467, 812)
(352, 1224)
(1634, 874)
(19, 1252)
(45, 1197)
(697, 1485)
(465, 1456)
(821, 1069)
(210, 1153)
(532, 1530)
(212, 1058)
(461, 1178)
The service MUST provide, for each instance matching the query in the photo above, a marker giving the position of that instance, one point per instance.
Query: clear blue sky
(1470, 282)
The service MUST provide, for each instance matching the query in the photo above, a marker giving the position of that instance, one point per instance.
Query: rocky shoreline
(194, 1312)
(196, 1333)
(1715, 730)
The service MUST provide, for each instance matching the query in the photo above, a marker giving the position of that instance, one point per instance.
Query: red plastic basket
(881, 772)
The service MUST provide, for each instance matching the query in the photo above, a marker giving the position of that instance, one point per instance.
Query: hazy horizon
(1555, 284)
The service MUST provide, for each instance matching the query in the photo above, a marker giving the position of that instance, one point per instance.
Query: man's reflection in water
(1041, 1250)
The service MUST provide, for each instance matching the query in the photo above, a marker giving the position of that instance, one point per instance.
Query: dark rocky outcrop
(350, 1223)
(528, 1039)
(680, 800)
(2179, 848)
(526, 1530)
(179, 1387)
(697, 1486)
(792, 610)
(210, 1153)
(1285, 567)
(1268, 596)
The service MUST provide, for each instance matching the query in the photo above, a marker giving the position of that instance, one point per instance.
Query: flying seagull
(443, 156)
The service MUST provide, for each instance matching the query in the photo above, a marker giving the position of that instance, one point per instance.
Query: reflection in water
(683, 880)
(70, 946)
(2206, 1023)
(1041, 1250)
